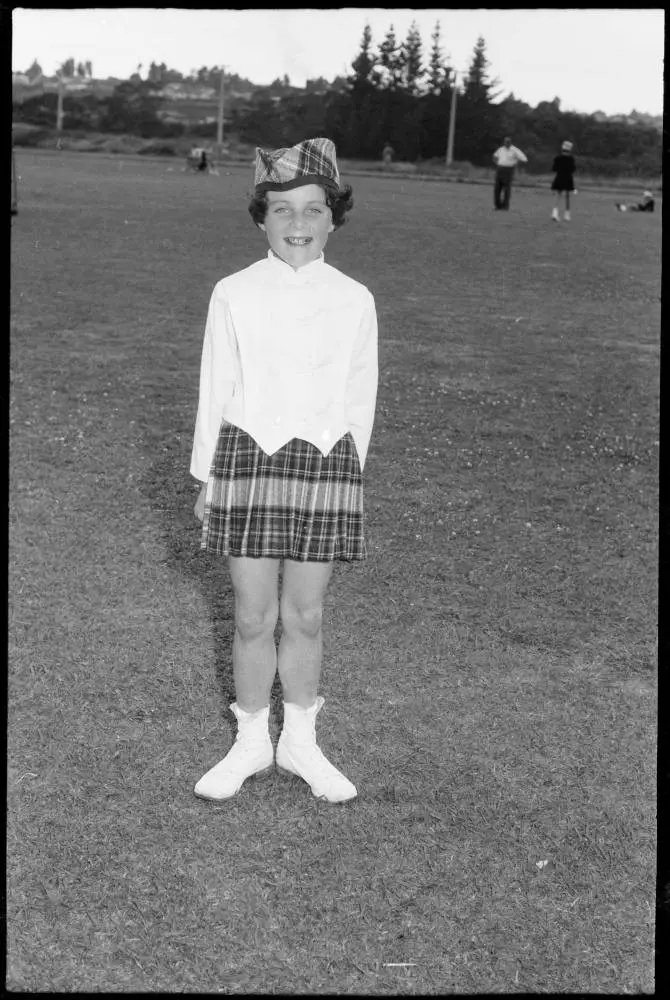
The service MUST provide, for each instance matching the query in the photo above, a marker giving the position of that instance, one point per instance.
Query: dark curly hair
(339, 204)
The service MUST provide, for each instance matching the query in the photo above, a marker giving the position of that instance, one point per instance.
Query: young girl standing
(563, 183)
(288, 386)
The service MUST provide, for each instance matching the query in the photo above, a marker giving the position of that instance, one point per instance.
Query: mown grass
(488, 674)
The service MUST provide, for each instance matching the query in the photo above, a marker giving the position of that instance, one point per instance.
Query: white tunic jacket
(287, 354)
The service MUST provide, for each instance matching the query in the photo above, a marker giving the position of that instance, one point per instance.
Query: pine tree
(438, 73)
(392, 59)
(34, 72)
(413, 71)
(478, 87)
(363, 65)
(479, 120)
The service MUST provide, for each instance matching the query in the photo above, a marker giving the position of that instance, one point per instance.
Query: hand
(199, 509)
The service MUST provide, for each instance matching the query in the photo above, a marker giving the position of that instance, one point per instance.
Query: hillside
(191, 101)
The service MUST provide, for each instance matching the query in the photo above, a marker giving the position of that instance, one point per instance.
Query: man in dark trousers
(505, 159)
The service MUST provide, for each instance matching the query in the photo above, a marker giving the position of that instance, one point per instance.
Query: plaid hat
(311, 161)
(567, 146)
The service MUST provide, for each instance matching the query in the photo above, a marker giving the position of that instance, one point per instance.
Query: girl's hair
(339, 203)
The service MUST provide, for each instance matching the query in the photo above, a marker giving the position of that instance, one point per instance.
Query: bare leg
(301, 608)
(254, 653)
(567, 201)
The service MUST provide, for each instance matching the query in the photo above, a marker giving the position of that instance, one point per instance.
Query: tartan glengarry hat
(311, 161)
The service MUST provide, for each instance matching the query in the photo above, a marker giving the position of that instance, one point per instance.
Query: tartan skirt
(295, 504)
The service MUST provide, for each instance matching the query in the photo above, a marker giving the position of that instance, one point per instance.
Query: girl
(563, 183)
(288, 386)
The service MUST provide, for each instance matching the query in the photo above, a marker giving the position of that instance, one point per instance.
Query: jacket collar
(309, 270)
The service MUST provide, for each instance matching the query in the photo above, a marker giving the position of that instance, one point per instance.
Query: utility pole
(219, 129)
(452, 122)
(59, 107)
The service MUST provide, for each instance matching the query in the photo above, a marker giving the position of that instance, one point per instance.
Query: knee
(253, 622)
(305, 619)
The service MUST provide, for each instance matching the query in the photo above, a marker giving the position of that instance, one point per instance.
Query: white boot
(251, 753)
(298, 753)
(554, 214)
(566, 216)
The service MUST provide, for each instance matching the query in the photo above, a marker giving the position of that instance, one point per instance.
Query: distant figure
(563, 183)
(646, 205)
(505, 159)
(388, 153)
(196, 159)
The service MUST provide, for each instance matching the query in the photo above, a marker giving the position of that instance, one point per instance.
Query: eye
(317, 210)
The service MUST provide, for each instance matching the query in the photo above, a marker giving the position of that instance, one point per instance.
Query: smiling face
(297, 223)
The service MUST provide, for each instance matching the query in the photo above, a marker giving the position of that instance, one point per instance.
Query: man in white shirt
(505, 158)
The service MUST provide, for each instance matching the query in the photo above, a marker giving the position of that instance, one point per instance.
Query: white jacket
(287, 354)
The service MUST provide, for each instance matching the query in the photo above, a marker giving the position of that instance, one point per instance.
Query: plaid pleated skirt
(296, 504)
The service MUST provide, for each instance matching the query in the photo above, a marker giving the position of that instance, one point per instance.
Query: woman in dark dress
(563, 182)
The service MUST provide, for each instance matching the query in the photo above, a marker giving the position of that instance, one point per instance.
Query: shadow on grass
(172, 494)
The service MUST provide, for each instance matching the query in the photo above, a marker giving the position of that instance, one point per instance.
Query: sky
(607, 60)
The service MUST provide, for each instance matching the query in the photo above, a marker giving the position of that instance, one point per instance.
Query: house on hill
(187, 91)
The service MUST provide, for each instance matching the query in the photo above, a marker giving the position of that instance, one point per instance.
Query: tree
(477, 86)
(319, 85)
(392, 59)
(34, 72)
(66, 69)
(438, 73)
(363, 66)
(412, 55)
(172, 76)
(132, 108)
(478, 120)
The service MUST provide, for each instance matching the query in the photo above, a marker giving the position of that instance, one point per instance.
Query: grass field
(489, 673)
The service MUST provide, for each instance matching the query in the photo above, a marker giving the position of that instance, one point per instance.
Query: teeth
(298, 241)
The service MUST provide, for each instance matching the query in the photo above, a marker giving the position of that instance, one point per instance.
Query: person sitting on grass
(288, 385)
(196, 159)
(563, 183)
(646, 205)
